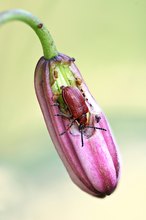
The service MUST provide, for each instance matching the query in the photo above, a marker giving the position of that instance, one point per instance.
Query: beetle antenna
(82, 139)
(103, 129)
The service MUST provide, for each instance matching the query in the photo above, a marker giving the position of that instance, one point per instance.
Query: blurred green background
(107, 38)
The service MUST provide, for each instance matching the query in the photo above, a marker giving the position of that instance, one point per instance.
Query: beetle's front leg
(64, 115)
(69, 126)
(55, 104)
(97, 118)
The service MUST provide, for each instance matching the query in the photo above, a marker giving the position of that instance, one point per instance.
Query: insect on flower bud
(78, 127)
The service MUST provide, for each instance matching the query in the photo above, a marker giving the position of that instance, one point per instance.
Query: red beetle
(76, 104)
(78, 109)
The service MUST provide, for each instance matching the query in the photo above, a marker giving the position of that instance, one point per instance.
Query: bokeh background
(107, 38)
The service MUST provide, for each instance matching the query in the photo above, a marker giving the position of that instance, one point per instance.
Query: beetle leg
(55, 104)
(64, 115)
(68, 127)
(98, 118)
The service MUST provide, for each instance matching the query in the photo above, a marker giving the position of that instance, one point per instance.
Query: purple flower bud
(78, 127)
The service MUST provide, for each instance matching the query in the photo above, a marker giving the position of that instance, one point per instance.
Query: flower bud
(77, 126)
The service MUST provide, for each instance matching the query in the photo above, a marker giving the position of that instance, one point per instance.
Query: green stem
(42, 32)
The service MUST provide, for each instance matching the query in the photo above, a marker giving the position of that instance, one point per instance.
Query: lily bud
(85, 143)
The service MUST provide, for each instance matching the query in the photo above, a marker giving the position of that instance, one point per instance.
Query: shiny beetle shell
(75, 103)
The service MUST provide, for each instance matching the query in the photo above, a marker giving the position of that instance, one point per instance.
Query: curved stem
(49, 48)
